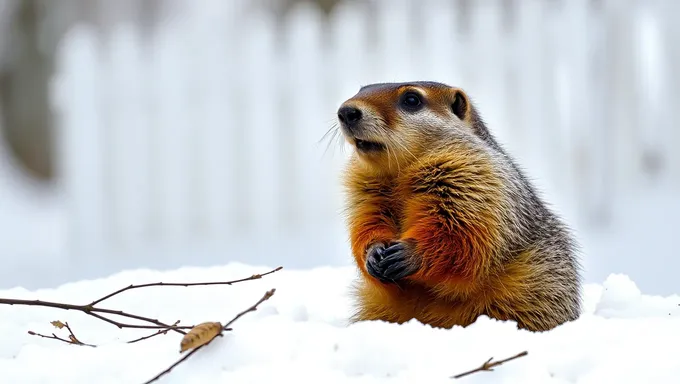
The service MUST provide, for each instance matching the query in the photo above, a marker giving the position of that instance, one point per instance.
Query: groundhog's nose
(349, 115)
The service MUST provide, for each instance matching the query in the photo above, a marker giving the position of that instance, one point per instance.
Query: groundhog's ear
(459, 106)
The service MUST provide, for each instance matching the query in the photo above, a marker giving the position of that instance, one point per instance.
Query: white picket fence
(208, 130)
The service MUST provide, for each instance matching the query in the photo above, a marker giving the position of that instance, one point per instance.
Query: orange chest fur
(380, 200)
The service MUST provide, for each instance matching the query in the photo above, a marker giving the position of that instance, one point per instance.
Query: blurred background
(163, 133)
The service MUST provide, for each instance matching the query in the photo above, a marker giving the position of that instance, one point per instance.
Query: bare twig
(160, 332)
(488, 365)
(175, 364)
(72, 336)
(97, 312)
(72, 339)
(53, 336)
(253, 308)
(94, 312)
(161, 284)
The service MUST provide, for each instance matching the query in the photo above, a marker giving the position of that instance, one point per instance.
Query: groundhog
(444, 225)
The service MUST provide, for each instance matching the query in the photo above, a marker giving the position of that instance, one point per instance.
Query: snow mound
(301, 335)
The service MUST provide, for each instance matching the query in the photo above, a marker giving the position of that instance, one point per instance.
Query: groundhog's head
(393, 123)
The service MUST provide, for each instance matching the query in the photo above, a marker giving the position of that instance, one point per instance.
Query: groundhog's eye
(410, 101)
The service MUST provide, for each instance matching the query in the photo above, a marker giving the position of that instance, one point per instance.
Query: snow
(302, 335)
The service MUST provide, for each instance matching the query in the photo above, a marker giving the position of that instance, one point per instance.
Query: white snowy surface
(301, 335)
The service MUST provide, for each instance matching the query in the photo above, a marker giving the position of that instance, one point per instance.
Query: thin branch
(54, 337)
(160, 332)
(72, 336)
(158, 325)
(96, 312)
(175, 364)
(253, 308)
(161, 284)
(72, 339)
(488, 365)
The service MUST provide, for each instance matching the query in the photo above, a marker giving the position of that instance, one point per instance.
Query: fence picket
(127, 116)
(305, 124)
(172, 130)
(80, 140)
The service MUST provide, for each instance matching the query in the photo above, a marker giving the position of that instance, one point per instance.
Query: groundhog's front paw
(391, 263)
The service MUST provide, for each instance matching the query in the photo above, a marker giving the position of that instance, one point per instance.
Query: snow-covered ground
(301, 335)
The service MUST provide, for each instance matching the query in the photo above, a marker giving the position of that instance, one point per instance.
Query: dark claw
(373, 258)
(396, 270)
(391, 263)
(393, 249)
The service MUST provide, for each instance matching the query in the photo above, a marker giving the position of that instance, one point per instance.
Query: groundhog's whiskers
(403, 147)
(332, 133)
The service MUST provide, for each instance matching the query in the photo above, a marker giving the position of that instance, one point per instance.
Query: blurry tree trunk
(26, 68)
(24, 92)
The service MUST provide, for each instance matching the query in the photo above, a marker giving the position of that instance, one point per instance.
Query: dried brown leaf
(200, 335)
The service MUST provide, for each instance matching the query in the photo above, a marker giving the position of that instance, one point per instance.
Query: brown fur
(479, 238)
